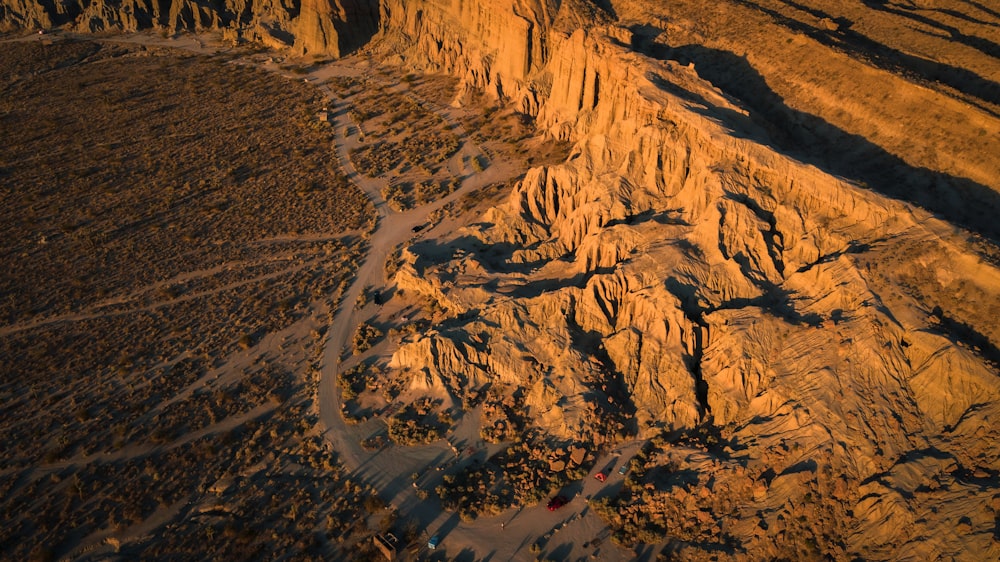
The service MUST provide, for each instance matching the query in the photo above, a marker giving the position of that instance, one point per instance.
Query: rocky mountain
(785, 235)
(776, 227)
(326, 27)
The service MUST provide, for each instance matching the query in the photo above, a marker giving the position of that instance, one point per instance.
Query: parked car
(557, 502)
(601, 477)
(434, 542)
(623, 469)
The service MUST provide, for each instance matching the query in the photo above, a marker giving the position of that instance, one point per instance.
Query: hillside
(752, 242)
(789, 250)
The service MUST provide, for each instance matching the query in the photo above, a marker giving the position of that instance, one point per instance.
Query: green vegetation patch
(418, 423)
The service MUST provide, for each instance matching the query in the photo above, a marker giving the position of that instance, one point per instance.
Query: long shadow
(864, 48)
(984, 46)
(709, 436)
(613, 384)
(644, 552)
(495, 258)
(815, 141)
(428, 475)
(962, 16)
(571, 490)
(537, 288)
(961, 333)
(666, 480)
(448, 526)
(801, 466)
(982, 8)
(560, 552)
(778, 301)
(360, 25)
(611, 491)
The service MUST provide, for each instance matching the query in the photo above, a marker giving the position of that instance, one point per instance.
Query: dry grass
(151, 170)
(175, 237)
(509, 135)
(420, 142)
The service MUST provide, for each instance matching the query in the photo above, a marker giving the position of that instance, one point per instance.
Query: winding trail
(574, 531)
(392, 229)
(391, 469)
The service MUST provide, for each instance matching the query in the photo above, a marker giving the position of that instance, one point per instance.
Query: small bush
(365, 337)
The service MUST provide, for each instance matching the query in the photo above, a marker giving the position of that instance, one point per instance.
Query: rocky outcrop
(331, 27)
(648, 341)
(491, 47)
(692, 275)
(334, 27)
(680, 273)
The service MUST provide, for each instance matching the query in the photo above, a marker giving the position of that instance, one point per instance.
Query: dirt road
(391, 469)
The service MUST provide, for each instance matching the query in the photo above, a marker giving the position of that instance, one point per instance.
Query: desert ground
(196, 356)
(728, 301)
(176, 237)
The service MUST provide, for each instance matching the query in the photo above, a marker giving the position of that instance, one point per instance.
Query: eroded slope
(833, 348)
(771, 254)
(174, 235)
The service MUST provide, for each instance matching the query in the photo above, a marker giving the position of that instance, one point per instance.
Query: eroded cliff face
(490, 47)
(331, 27)
(681, 270)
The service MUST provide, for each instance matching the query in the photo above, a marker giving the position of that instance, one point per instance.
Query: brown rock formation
(331, 27)
(689, 272)
(777, 224)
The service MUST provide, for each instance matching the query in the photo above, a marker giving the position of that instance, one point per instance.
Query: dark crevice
(687, 295)
(694, 366)
(613, 385)
(773, 238)
(967, 336)
(853, 247)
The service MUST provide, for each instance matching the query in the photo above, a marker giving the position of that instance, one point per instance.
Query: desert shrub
(373, 504)
(365, 337)
(180, 164)
(417, 423)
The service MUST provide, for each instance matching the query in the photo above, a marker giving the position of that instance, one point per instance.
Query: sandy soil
(390, 469)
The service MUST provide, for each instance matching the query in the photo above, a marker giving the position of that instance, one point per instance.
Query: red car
(601, 477)
(557, 502)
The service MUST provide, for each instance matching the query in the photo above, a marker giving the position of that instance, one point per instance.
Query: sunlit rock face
(709, 255)
(682, 268)
(326, 27)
